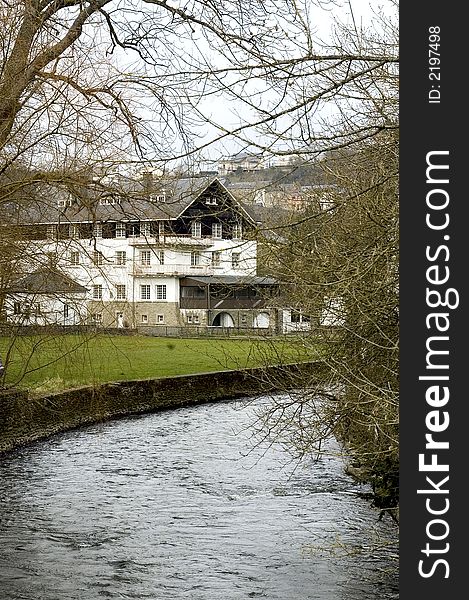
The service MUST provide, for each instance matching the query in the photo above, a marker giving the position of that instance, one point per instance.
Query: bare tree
(339, 264)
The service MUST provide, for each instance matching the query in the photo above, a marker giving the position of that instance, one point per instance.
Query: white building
(243, 161)
(174, 253)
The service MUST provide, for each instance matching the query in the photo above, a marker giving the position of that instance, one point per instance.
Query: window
(74, 231)
(144, 319)
(121, 257)
(161, 227)
(120, 230)
(211, 201)
(97, 318)
(97, 292)
(196, 229)
(145, 257)
(195, 319)
(189, 318)
(237, 231)
(98, 230)
(161, 292)
(235, 260)
(51, 232)
(160, 256)
(98, 258)
(217, 231)
(145, 229)
(160, 319)
(66, 311)
(145, 292)
(299, 317)
(120, 292)
(195, 259)
(192, 291)
(216, 259)
(75, 258)
(64, 202)
(134, 229)
(17, 308)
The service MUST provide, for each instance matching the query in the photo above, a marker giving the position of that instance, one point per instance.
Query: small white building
(46, 297)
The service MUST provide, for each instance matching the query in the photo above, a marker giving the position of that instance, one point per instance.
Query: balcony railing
(184, 239)
(176, 269)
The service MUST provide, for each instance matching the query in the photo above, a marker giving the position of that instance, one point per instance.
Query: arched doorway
(223, 319)
(262, 320)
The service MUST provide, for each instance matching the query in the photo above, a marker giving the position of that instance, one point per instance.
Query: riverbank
(25, 418)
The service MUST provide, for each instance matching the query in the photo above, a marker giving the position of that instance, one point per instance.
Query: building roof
(47, 281)
(132, 201)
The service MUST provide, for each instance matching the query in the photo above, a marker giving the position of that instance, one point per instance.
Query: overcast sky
(230, 113)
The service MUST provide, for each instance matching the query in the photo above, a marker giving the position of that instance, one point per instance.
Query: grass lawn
(51, 363)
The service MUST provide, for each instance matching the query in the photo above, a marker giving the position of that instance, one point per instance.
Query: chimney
(148, 181)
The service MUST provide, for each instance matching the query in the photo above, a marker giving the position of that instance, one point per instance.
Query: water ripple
(174, 506)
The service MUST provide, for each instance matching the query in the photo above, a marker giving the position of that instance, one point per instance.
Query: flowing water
(181, 505)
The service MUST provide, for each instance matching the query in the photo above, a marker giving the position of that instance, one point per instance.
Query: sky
(225, 111)
(230, 113)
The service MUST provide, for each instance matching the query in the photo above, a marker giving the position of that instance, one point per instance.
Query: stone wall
(24, 419)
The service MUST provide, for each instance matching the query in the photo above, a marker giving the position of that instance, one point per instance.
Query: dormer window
(211, 201)
(64, 202)
(107, 200)
(158, 198)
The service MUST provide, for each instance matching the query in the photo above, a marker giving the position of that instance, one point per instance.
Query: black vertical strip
(434, 254)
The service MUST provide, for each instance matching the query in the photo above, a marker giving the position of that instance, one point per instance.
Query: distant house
(286, 196)
(242, 162)
(143, 254)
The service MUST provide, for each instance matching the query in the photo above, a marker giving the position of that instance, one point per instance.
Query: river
(181, 504)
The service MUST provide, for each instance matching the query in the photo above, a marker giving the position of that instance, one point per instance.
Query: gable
(216, 201)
